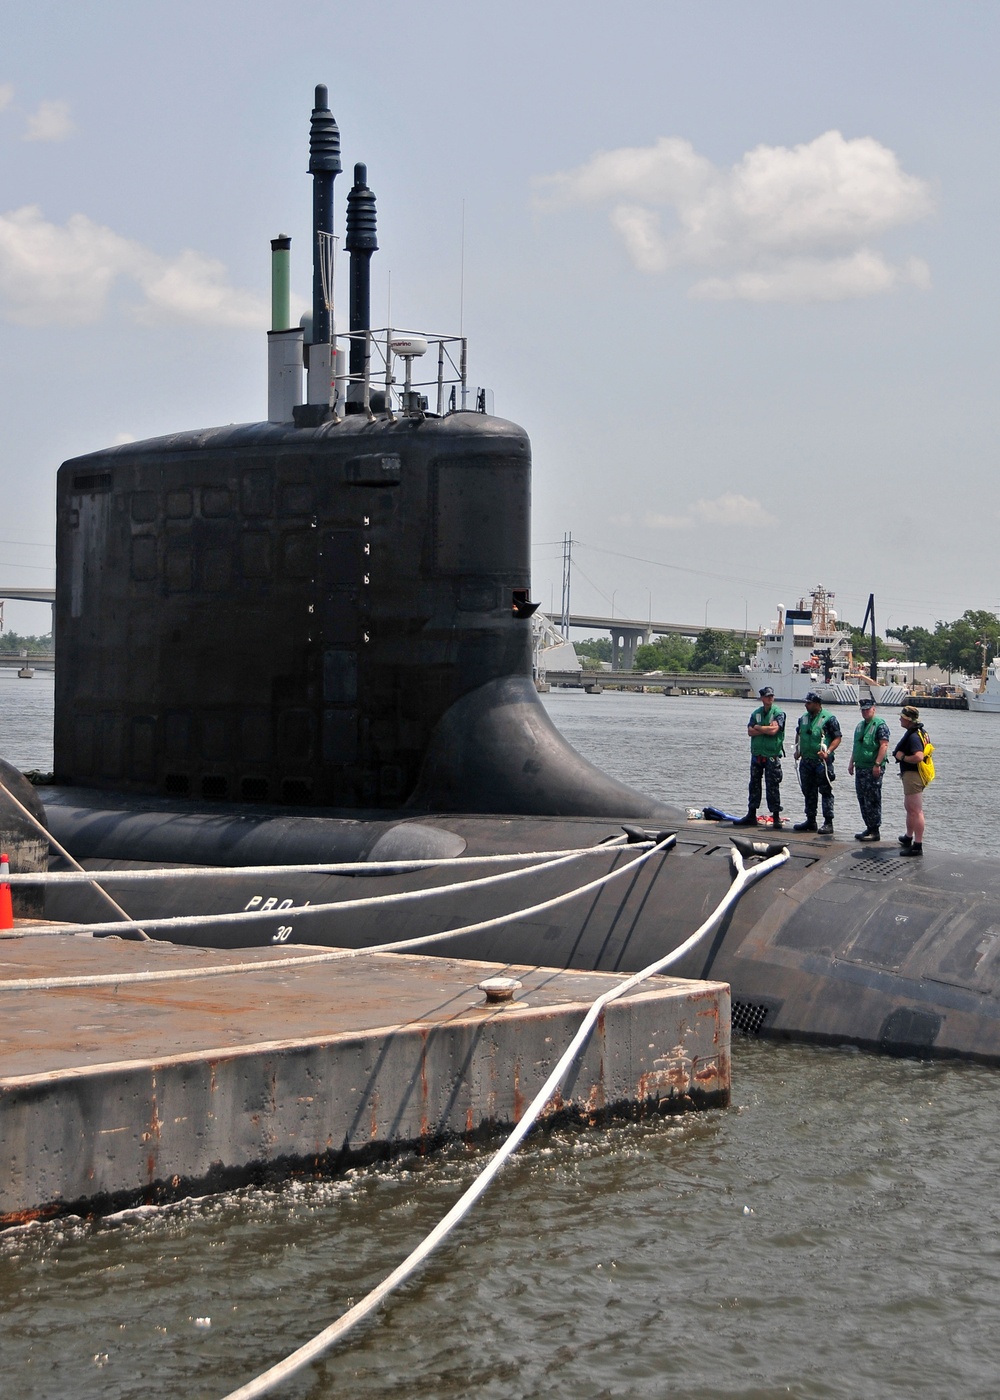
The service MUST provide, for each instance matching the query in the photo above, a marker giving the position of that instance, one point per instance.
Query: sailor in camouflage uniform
(767, 746)
(817, 737)
(868, 757)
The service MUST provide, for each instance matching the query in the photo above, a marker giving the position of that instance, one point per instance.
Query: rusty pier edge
(269, 1173)
(290, 1073)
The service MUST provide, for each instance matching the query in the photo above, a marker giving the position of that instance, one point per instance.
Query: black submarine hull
(841, 945)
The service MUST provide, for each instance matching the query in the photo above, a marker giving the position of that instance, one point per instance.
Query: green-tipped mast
(281, 261)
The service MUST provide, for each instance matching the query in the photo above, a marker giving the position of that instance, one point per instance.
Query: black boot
(776, 821)
(863, 835)
(872, 834)
(915, 848)
(905, 840)
(749, 820)
(804, 826)
(826, 829)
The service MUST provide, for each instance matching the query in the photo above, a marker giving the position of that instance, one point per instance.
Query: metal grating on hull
(876, 868)
(748, 1017)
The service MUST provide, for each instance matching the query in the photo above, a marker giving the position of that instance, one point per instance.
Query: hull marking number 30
(284, 931)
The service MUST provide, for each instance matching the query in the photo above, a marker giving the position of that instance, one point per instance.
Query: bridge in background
(29, 595)
(627, 633)
(41, 661)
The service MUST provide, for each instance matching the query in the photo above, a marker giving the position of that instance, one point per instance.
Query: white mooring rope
(276, 1375)
(112, 979)
(79, 876)
(135, 932)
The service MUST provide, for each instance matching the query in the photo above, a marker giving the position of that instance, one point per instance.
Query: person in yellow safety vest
(817, 738)
(767, 747)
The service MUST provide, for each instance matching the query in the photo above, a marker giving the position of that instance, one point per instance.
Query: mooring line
(276, 1375)
(79, 876)
(110, 979)
(135, 932)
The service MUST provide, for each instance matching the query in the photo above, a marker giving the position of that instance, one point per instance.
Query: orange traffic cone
(6, 908)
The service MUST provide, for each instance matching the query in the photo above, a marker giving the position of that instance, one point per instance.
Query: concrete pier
(133, 1092)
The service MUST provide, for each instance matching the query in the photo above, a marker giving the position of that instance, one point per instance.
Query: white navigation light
(408, 347)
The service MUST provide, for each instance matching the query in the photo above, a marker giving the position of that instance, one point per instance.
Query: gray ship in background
(308, 640)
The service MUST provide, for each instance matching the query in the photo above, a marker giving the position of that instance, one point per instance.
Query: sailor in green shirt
(767, 747)
(871, 744)
(817, 738)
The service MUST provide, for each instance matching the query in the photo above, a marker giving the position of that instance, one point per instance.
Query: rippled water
(834, 1234)
(26, 719)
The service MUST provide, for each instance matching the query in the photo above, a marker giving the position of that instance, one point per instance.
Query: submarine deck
(136, 1090)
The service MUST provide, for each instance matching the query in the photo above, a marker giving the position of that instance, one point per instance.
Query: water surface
(26, 719)
(834, 1234)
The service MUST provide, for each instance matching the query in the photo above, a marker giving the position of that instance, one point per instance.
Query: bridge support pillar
(624, 641)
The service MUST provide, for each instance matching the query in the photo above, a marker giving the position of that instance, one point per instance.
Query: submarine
(294, 695)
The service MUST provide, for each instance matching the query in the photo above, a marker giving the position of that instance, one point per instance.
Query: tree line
(712, 650)
(12, 644)
(954, 646)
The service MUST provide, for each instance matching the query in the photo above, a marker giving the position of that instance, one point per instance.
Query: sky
(732, 266)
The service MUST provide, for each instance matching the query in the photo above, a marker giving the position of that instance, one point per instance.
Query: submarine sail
(330, 612)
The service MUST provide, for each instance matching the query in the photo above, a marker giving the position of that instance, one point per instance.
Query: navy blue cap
(813, 696)
(766, 691)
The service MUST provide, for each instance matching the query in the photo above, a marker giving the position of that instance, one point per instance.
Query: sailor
(767, 747)
(871, 744)
(817, 738)
(908, 753)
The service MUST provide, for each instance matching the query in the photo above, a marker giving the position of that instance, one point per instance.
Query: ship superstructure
(807, 649)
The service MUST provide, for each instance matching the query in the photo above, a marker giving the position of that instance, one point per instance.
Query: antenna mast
(324, 167)
(870, 614)
(566, 580)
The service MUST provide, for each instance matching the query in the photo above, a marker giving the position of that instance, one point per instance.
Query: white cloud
(6, 95)
(667, 522)
(728, 509)
(865, 273)
(192, 287)
(640, 231)
(732, 509)
(52, 274)
(782, 224)
(50, 121)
